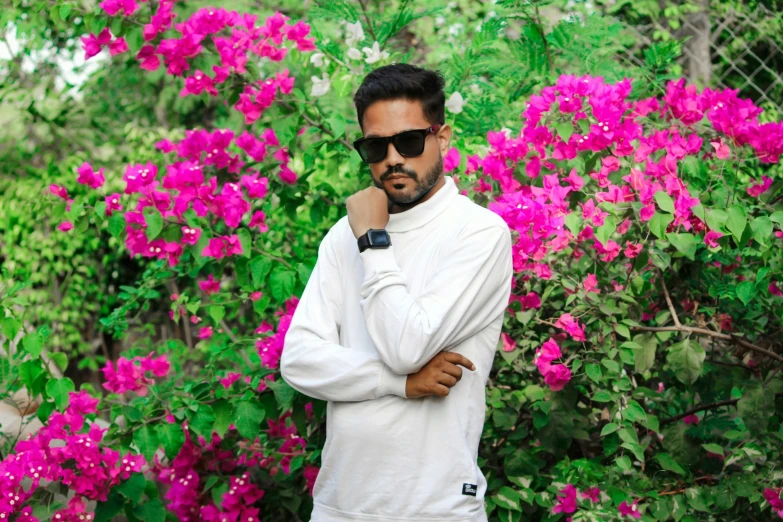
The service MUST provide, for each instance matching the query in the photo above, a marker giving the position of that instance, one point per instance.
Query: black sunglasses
(409, 144)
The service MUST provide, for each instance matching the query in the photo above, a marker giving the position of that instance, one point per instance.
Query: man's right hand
(437, 376)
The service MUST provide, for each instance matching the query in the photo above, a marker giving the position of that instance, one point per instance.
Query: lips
(393, 178)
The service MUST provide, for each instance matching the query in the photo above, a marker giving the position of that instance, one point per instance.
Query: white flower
(439, 20)
(451, 5)
(455, 103)
(455, 29)
(317, 59)
(475, 89)
(320, 86)
(374, 53)
(354, 53)
(353, 33)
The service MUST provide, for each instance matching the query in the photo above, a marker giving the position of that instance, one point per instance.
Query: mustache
(398, 170)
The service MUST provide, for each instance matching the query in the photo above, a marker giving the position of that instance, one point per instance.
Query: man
(409, 288)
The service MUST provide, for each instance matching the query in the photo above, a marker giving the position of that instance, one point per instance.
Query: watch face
(378, 237)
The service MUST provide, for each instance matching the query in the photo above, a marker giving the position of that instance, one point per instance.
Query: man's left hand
(368, 208)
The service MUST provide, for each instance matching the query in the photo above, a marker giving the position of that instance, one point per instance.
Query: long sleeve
(466, 294)
(313, 362)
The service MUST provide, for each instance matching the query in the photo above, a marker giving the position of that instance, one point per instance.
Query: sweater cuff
(378, 260)
(392, 383)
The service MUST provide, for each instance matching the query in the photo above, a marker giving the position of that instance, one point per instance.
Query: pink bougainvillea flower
(210, 285)
(660, 387)
(65, 226)
(566, 500)
(774, 289)
(711, 238)
(190, 236)
(629, 510)
(451, 160)
(592, 494)
(557, 376)
(255, 296)
(632, 250)
(772, 495)
(229, 379)
(591, 284)
(722, 150)
(258, 221)
(149, 60)
(205, 333)
(90, 178)
(759, 188)
(508, 343)
(112, 7)
(223, 246)
(118, 46)
(572, 326)
(92, 44)
(59, 191)
(691, 419)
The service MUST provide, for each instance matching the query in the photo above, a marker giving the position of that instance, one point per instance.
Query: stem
(367, 19)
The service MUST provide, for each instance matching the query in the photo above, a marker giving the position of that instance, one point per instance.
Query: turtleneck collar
(423, 213)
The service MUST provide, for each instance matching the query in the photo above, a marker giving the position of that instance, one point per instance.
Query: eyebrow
(379, 136)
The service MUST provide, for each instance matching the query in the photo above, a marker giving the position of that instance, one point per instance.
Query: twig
(704, 407)
(669, 302)
(367, 19)
(704, 331)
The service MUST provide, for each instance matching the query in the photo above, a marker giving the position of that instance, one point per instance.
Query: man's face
(413, 176)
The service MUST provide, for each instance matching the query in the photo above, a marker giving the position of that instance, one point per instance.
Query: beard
(421, 186)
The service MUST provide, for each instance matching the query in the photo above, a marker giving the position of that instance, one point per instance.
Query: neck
(396, 208)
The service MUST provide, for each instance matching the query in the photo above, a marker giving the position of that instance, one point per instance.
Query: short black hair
(402, 80)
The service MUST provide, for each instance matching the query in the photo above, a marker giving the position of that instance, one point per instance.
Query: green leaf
(133, 488)
(245, 241)
(624, 463)
(284, 394)
(777, 217)
(282, 283)
(58, 389)
(33, 344)
(603, 232)
(337, 123)
(217, 313)
(664, 201)
(609, 428)
(572, 221)
(146, 440)
(686, 359)
(658, 224)
(100, 209)
(594, 372)
(713, 448)
(224, 416)
(259, 268)
(171, 438)
(154, 221)
(644, 356)
(736, 222)
(746, 291)
(116, 224)
(247, 419)
(603, 396)
(304, 272)
(634, 412)
(668, 463)
(106, 511)
(716, 219)
(11, 327)
(152, 511)
(507, 498)
(565, 130)
(685, 244)
(762, 229)
(756, 407)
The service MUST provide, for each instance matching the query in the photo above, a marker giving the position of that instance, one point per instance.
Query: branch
(704, 331)
(367, 19)
(321, 126)
(669, 302)
(703, 407)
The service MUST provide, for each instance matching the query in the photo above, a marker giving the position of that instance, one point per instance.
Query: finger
(441, 391)
(456, 358)
(447, 380)
(453, 370)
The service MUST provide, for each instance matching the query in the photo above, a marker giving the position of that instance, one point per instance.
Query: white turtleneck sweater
(364, 322)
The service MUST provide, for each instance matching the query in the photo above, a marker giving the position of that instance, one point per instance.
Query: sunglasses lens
(409, 143)
(372, 150)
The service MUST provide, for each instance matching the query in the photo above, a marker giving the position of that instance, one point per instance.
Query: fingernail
(473, 367)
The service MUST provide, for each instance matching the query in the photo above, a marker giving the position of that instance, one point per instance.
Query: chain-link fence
(727, 49)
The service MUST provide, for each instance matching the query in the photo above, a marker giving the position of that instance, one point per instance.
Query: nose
(393, 158)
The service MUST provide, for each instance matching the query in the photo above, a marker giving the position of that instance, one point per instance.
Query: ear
(444, 138)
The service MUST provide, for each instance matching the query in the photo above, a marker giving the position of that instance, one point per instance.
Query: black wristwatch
(374, 238)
